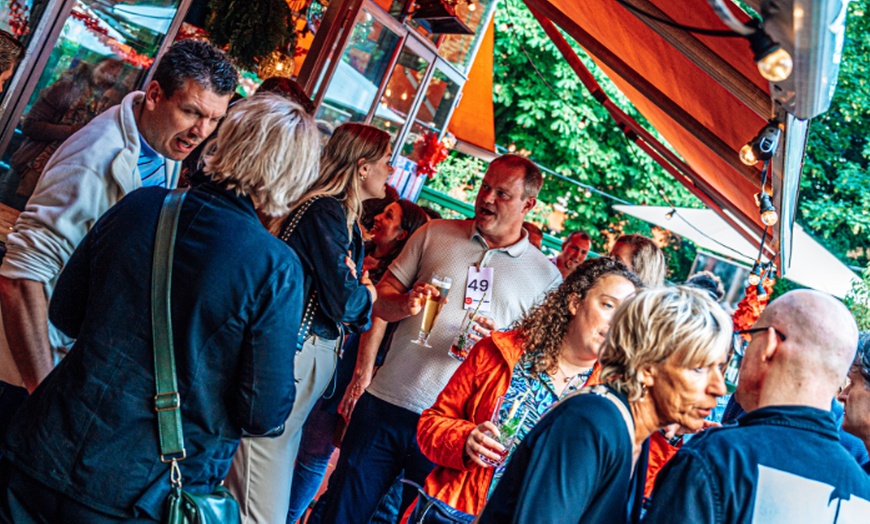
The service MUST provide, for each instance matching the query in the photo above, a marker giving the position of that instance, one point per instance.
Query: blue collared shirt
(151, 165)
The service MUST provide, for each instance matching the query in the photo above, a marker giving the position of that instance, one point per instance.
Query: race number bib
(478, 288)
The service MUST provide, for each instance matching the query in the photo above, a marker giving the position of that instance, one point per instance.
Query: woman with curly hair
(550, 353)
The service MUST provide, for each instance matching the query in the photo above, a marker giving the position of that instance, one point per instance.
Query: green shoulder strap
(167, 402)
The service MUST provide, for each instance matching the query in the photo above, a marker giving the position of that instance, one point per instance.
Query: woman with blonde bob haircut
(322, 230)
(237, 298)
(249, 154)
(662, 364)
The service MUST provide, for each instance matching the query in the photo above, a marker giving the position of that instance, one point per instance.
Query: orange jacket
(467, 401)
(660, 452)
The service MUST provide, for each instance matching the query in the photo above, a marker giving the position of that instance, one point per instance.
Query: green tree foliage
(858, 300)
(562, 127)
(250, 30)
(835, 202)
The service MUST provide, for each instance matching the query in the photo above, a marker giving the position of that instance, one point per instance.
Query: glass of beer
(432, 308)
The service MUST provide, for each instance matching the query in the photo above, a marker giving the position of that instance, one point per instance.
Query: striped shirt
(151, 165)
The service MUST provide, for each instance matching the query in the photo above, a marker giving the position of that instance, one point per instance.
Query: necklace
(569, 378)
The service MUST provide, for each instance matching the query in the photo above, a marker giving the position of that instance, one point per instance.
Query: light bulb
(776, 66)
(587, 193)
(670, 214)
(472, 6)
(755, 275)
(768, 212)
(747, 155)
(512, 148)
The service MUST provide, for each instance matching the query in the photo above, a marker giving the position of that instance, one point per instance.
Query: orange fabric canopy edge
(473, 121)
(651, 60)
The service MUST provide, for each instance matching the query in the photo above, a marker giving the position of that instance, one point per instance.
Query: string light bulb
(761, 291)
(670, 214)
(774, 63)
(755, 274)
(763, 146)
(769, 217)
(587, 193)
(747, 155)
(472, 6)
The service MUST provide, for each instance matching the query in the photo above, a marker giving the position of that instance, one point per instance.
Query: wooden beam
(754, 97)
(648, 143)
(543, 10)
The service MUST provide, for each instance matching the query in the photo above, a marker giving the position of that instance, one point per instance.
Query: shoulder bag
(181, 507)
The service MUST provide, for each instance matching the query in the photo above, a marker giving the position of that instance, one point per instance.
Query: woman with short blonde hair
(236, 299)
(249, 154)
(661, 364)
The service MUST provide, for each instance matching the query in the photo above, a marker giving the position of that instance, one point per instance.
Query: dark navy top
(777, 464)
(322, 242)
(90, 429)
(574, 466)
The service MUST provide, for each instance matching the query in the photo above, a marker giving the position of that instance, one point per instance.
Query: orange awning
(473, 120)
(702, 94)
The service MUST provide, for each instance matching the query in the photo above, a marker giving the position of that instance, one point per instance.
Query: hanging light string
(695, 30)
(674, 213)
(502, 150)
(629, 146)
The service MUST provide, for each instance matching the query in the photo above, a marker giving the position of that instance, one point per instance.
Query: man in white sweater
(137, 143)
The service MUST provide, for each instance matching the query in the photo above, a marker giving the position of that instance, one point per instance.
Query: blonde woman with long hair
(322, 230)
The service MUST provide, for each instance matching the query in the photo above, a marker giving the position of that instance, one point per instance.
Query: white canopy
(812, 265)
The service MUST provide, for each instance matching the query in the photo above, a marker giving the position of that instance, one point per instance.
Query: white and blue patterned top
(538, 394)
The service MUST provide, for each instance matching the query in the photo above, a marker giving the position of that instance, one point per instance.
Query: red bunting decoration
(751, 306)
(19, 18)
(429, 152)
(122, 51)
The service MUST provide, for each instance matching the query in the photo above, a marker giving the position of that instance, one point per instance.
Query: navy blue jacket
(574, 466)
(90, 429)
(322, 242)
(777, 464)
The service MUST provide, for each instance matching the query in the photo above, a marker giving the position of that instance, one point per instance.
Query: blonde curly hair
(545, 326)
(654, 325)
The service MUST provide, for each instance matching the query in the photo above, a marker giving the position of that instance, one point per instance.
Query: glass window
(103, 52)
(398, 97)
(359, 73)
(440, 96)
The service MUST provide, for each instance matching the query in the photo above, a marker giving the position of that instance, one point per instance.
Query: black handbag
(430, 510)
(181, 507)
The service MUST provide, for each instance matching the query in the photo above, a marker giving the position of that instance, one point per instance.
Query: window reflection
(398, 97)
(358, 76)
(103, 52)
(440, 97)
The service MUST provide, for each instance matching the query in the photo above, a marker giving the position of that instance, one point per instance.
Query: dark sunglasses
(738, 344)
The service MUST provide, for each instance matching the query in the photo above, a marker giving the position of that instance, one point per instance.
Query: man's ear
(153, 93)
(770, 346)
(529, 204)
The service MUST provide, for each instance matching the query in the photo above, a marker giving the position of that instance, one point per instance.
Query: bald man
(782, 461)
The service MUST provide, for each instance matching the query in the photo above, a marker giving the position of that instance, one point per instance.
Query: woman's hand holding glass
(479, 442)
